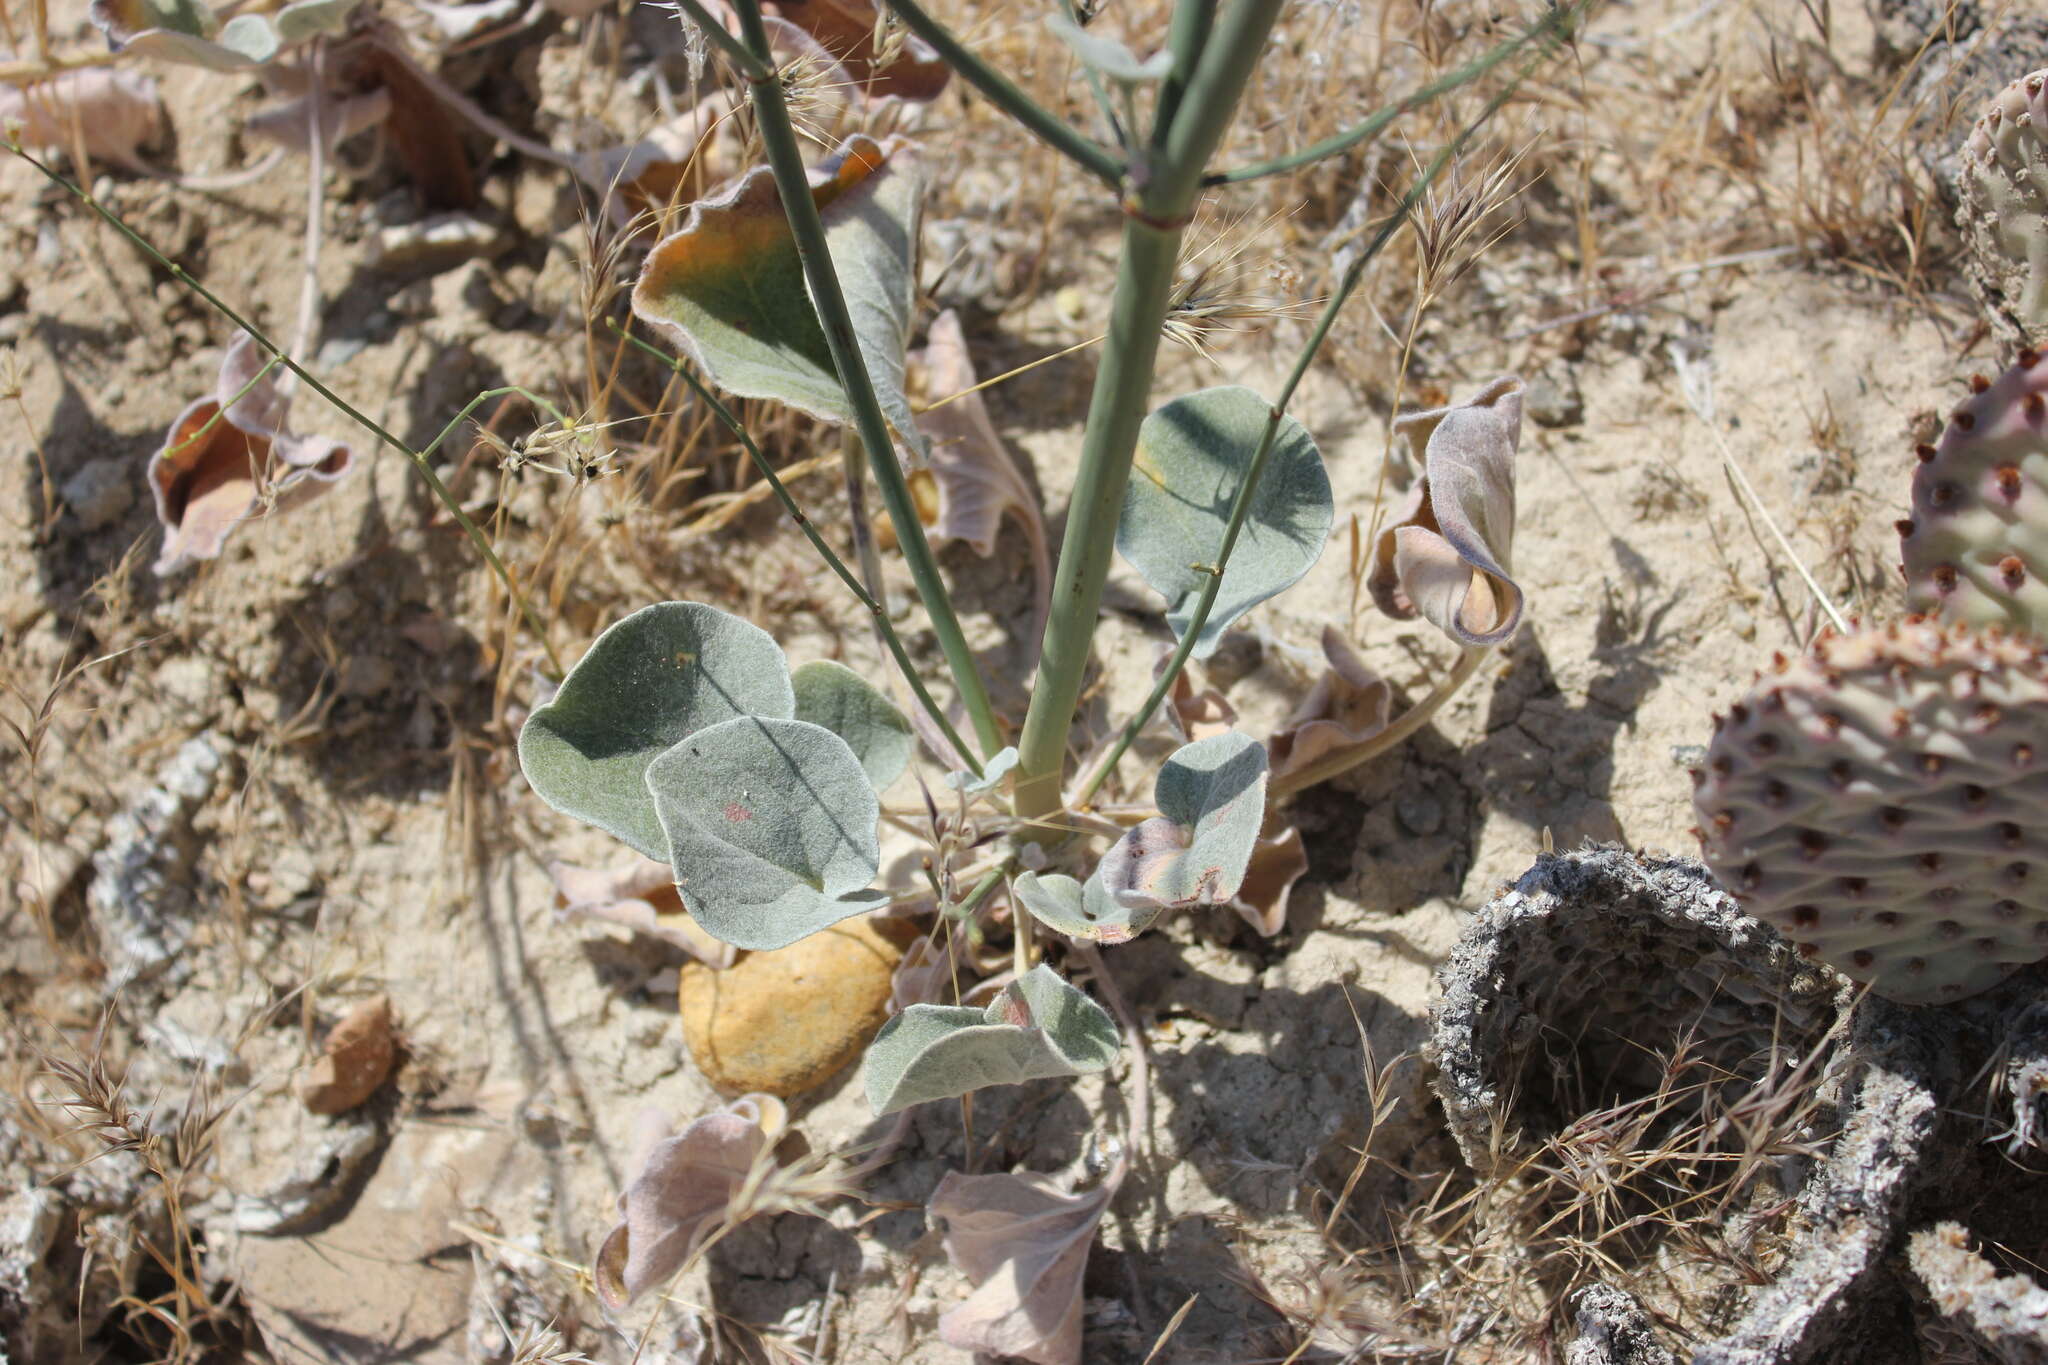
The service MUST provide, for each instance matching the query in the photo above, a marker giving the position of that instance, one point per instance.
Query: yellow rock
(783, 1022)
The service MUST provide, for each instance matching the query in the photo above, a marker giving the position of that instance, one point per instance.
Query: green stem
(312, 381)
(786, 159)
(876, 611)
(1157, 214)
(1555, 23)
(1037, 120)
(1241, 503)
(1185, 38)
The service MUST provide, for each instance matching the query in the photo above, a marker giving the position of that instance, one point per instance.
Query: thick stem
(1157, 213)
(1122, 389)
(792, 180)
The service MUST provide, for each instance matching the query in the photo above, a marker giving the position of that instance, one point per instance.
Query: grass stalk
(785, 159)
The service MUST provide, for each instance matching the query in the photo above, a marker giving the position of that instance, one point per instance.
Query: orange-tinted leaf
(1277, 864)
(225, 455)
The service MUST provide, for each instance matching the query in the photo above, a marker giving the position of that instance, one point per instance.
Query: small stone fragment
(438, 243)
(785, 1021)
(356, 1060)
(100, 493)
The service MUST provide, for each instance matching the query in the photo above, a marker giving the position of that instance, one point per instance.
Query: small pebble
(101, 492)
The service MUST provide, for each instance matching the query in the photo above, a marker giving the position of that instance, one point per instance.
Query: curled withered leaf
(1024, 1244)
(971, 477)
(113, 112)
(1445, 554)
(646, 176)
(228, 456)
(290, 124)
(685, 1189)
(1348, 705)
(640, 894)
(1277, 864)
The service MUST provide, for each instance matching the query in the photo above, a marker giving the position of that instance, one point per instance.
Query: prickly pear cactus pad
(1976, 548)
(2003, 213)
(1883, 801)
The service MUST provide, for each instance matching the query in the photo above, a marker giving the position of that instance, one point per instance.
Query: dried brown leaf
(226, 457)
(1024, 1244)
(1277, 864)
(686, 1187)
(974, 482)
(355, 1061)
(1445, 555)
(112, 112)
(1348, 705)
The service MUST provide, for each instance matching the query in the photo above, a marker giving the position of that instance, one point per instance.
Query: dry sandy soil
(1730, 244)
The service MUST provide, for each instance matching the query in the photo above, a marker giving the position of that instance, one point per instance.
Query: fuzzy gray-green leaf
(1192, 457)
(772, 829)
(1080, 911)
(646, 684)
(836, 697)
(730, 287)
(1038, 1027)
(1212, 797)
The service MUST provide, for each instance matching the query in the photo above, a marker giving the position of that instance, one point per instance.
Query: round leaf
(1084, 912)
(648, 683)
(1038, 1027)
(1192, 457)
(1212, 799)
(771, 829)
(836, 697)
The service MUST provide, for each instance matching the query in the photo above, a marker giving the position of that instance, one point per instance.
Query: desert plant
(683, 731)
(2003, 189)
(1879, 798)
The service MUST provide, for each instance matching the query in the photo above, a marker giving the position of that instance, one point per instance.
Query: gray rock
(101, 492)
(140, 898)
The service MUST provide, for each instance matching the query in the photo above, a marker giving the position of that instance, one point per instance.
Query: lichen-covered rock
(2005, 1315)
(785, 1021)
(1883, 801)
(2003, 186)
(1976, 548)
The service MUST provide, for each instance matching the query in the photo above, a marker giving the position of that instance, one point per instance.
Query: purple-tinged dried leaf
(847, 29)
(975, 481)
(225, 457)
(641, 895)
(1348, 705)
(112, 112)
(647, 175)
(1445, 555)
(290, 124)
(1211, 796)
(1277, 864)
(684, 1190)
(1024, 1244)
